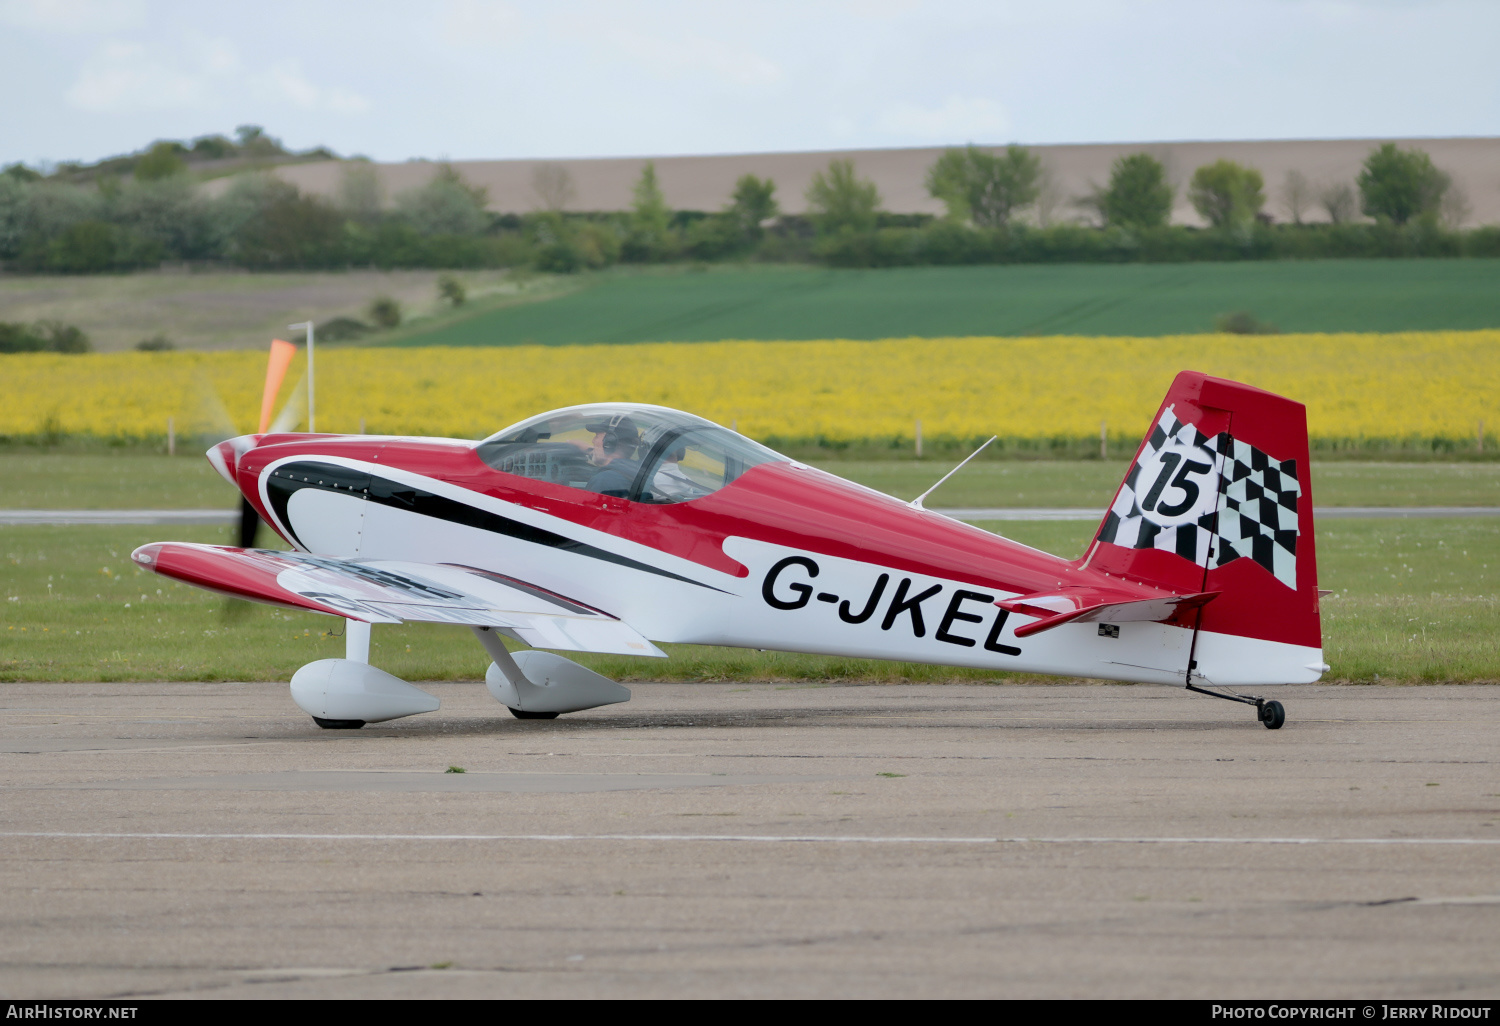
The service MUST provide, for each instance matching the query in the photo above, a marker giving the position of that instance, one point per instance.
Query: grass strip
(134, 479)
(1416, 602)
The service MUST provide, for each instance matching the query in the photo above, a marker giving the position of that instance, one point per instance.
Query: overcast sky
(464, 79)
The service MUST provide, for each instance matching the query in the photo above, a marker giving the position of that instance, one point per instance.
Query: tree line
(1001, 207)
(1410, 206)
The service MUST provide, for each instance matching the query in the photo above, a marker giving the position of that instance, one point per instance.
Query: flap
(1090, 605)
(394, 591)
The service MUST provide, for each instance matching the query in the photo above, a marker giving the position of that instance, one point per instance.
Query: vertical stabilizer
(1219, 499)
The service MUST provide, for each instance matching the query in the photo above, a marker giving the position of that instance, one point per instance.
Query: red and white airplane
(610, 528)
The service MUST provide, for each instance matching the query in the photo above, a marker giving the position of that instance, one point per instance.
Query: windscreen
(642, 453)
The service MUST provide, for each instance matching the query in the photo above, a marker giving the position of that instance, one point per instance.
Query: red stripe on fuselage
(779, 503)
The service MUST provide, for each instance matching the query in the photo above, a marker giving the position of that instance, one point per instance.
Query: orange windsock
(281, 359)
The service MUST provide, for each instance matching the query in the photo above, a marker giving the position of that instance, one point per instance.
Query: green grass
(137, 479)
(74, 607)
(1414, 601)
(771, 302)
(1417, 602)
(129, 479)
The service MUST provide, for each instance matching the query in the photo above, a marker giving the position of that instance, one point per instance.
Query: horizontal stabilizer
(1095, 605)
(394, 591)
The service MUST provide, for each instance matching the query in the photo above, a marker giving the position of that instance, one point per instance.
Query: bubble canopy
(631, 451)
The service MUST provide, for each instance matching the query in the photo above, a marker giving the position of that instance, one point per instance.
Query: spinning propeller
(276, 368)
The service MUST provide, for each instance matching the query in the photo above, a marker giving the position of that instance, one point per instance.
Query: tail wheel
(1269, 713)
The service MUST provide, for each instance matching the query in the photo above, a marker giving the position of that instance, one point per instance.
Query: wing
(393, 591)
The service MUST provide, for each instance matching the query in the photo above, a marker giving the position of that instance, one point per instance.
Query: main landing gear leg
(1269, 713)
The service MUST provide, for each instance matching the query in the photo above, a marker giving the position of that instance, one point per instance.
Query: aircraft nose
(225, 456)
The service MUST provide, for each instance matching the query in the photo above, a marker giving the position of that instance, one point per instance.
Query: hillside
(705, 182)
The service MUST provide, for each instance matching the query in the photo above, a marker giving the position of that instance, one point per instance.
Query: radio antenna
(917, 502)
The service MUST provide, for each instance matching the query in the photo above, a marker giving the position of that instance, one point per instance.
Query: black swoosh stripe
(290, 478)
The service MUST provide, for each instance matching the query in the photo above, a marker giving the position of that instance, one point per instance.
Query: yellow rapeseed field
(1418, 385)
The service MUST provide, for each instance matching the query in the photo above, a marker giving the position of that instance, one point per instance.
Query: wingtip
(147, 554)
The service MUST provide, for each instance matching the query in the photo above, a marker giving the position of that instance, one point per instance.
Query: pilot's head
(615, 437)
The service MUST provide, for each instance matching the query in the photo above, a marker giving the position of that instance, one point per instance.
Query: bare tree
(1338, 200)
(1049, 196)
(360, 191)
(554, 186)
(1090, 205)
(1296, 195)
(1455, 208)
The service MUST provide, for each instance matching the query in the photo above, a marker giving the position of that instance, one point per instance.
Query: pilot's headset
(620, 434)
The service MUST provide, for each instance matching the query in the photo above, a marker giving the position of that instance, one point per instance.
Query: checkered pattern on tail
(1258, 510)
(1128, 525)
(1256, 514)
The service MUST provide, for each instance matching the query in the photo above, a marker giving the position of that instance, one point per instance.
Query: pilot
(613, 450)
